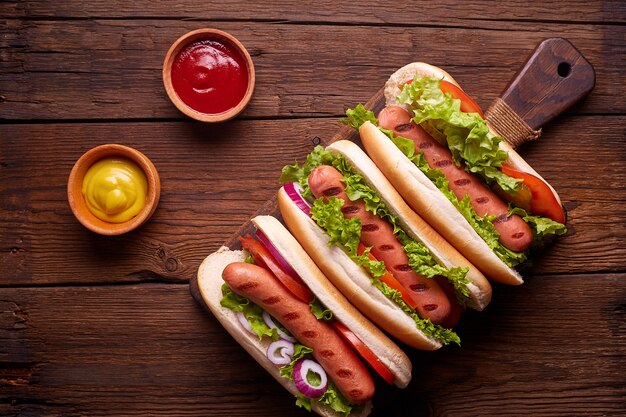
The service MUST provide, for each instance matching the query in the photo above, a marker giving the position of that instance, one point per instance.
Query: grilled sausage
(515, 234)
(432, 303)
(344, 368)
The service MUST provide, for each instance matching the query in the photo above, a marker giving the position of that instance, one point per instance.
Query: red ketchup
(210, 76)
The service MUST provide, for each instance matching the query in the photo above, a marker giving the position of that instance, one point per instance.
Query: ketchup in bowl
(210, 76)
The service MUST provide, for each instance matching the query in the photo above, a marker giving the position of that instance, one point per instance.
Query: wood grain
(205, 169)
(445, 12)
(554, 78)
(95, 326)
(114, 67)
(148, 349)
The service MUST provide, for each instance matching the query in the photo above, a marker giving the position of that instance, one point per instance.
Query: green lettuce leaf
(541, 226)
(346, 234)
(482, 225)
(319, 311)
(342, 231)
(252, 312)
(442, 334)
(467, 134)
(300, 173)
(423, 263)
(335, 400)
(359, 115)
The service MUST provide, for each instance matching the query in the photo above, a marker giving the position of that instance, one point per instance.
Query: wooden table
(104, 326)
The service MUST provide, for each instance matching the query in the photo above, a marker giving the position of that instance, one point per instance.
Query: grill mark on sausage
(356, 392)
(246, 286)
(272, 300)
(443, 163)
(386, 247)
(291, 316)
(371, 227)
(403, 127)
(430, 307)
(425, 145)
(344, 373)
(462, 181)
(327, 353)
(349, 209)
(518, 235)
(332, 191)
(310, 334)
(402, 268)
(482, 200)
(419, 287)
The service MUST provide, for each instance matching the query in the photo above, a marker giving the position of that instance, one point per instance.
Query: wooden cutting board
(553, 78)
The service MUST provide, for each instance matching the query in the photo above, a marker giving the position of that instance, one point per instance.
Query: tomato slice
(543, 201)
(468, 105)
(364, 351)
(391, 280)
(263, 257)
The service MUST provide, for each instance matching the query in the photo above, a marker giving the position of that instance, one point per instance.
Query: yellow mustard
(115, 189)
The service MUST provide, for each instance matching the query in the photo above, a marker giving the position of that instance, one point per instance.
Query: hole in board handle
(564, 69)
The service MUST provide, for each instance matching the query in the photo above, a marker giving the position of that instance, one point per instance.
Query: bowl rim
(77, 200)
(185, 40)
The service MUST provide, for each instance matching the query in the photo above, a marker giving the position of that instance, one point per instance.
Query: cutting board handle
(555, 77)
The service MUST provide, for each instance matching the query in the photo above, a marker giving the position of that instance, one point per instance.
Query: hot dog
(432, 303)
(310, 309)
(456, 173)
(257, 284)
(515, 234)
(353, 213)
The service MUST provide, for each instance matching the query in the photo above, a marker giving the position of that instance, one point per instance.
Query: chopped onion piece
(282, 261)
(269, 320)
(310, 378)
(280, 351)
(244, 322)
(294, 191)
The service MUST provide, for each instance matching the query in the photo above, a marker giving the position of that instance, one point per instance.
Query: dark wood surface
(106, 326)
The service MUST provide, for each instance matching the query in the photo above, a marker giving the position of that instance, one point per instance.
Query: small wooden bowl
(181, 43)
(77, 200)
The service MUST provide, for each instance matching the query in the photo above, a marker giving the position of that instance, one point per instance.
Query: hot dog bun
(398, 79)
(422, 195)
(210, 282)
(353, 280)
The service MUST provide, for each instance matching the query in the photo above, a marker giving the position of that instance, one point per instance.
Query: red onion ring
(294, 191)
(269, 320)
(300, 372)
(282, 261)
(244, 322)
(280, 352)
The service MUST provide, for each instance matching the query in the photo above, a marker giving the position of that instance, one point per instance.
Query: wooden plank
(212, 180)
(93, 69)
(446, 12)
(555, 346)
(203, 170)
